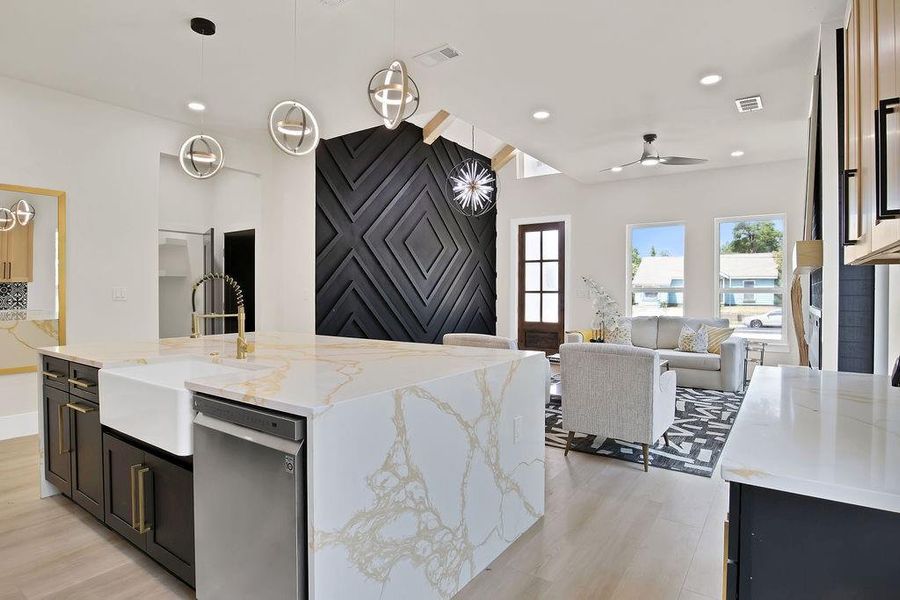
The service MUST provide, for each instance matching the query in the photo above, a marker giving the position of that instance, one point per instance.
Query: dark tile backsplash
(13, 296)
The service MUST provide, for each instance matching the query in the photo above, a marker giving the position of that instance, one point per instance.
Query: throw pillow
(620, 334)
(717, 335)
(692, 341)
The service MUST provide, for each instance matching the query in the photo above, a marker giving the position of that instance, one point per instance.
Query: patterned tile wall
(13, 296)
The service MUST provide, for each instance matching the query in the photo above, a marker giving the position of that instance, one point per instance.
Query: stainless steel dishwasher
(249, 502)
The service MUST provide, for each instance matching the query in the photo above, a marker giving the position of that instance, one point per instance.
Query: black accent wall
(394, 261)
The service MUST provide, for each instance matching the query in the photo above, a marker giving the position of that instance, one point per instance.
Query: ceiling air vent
(749, 104)
(437, 56)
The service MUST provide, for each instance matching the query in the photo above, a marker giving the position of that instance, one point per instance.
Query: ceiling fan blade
(634, 162)
(680, 160)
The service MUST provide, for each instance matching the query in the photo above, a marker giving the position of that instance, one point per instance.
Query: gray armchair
(618, 392)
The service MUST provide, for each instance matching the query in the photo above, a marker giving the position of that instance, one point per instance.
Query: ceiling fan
(651, 157)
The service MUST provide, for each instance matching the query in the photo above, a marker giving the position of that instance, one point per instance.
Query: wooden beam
(506, 154)
(436, 126)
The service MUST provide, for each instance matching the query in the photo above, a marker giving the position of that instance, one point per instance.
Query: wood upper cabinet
(872, 131)
(17, 254)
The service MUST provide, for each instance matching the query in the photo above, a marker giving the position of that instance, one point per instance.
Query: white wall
(107, 159)
(600, 214)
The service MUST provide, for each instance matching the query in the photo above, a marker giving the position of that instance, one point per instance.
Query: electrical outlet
(517, 429)
(120, 294)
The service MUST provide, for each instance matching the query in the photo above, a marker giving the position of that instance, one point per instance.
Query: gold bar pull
(60, 435)
(79, 383)
(134, 508)
(51, 374)
(142, 525)
(83, 409)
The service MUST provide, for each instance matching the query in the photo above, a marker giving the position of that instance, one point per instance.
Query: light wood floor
(610, 531)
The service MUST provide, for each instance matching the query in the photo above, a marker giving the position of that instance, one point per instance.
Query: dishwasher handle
(250, 435)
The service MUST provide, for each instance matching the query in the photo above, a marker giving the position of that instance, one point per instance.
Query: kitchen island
(423, 462)
(813, 462)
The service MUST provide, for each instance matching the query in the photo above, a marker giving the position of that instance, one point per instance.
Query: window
(529, 166)
(656, 269)
(750, 265)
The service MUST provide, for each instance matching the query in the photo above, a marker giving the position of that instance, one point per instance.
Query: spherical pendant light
(23, 211)
(7, 219)
(393, 94)
(293, 128)
(201, 156)
(472, 187)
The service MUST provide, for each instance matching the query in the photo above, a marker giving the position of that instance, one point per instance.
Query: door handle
(80, 383)
(145, 485)
(82, 408)
(885, 107)
(60, 434)
(846, 238)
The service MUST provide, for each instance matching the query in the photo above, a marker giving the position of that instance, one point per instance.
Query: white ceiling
(608, 70)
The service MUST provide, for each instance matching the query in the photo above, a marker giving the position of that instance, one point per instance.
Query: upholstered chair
(617, 392)
(480, 340)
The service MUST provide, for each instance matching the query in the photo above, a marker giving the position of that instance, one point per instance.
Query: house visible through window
(656, 276)
(750, 263)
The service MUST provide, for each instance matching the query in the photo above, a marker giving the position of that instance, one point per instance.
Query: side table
(757, 348)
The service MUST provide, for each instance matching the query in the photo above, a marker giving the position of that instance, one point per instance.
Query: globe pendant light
(7, 219)
(201, 156)
(292, 126)
(472, 186)
(24, 212)
(392, 92)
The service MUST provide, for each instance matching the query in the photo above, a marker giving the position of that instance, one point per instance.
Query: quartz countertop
(823, 434)
(297, 373)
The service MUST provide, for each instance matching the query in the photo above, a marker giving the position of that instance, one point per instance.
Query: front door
(541, 286)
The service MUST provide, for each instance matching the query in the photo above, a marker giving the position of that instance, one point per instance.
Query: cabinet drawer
(83, 381)
(55, 372)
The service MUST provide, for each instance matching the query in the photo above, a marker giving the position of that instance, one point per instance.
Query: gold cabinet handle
(134, 470)
(82, 408)
(80, 383)
(60, 435)
(142, 525)
(51, 374)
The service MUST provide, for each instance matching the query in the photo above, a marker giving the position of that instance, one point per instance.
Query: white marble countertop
(819, 433)
(297, 373)
(27, 315)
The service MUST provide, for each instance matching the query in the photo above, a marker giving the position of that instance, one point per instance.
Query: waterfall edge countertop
(822, 434)
(301, 374)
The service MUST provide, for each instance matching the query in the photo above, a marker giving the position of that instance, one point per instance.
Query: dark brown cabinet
(150, 502)
(73, 460)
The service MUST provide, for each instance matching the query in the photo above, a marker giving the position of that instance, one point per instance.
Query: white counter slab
(297, 373)
(819, 433)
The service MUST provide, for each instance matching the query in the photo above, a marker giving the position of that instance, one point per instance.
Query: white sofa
(724, 371)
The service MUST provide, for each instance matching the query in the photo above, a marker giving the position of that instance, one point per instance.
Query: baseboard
(13, 426)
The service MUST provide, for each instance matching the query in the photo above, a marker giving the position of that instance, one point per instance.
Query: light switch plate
(119, 294)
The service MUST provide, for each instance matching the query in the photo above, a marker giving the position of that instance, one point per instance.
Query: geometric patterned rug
(703, 420)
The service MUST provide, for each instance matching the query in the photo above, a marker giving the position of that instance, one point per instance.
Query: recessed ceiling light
(616, 169)
(711, 79)
(737, 153)
(197, 106)
(541, 115)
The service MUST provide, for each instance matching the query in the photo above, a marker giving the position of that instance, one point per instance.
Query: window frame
(629, 289)
(720, 289)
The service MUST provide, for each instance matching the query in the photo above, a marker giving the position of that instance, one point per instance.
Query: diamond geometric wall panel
(394, 261)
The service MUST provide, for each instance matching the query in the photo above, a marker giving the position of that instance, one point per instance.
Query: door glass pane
(550, 312)
(533, 277)
(532, 245)
(551, 245)
(533, 307)
(550, 277)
